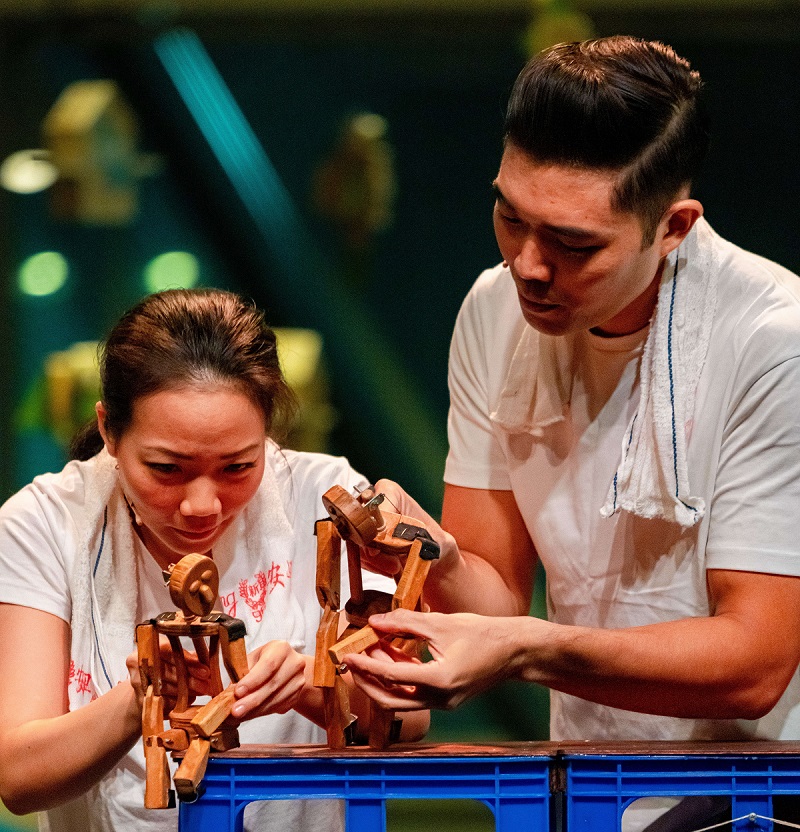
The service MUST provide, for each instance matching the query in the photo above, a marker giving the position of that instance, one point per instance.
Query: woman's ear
(111, 446)
(677, 222)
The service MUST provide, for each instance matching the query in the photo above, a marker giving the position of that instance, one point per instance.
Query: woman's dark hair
(185, 337)
(619, 104)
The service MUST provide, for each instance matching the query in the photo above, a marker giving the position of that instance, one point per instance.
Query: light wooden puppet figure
(193, 729)
(362, 524)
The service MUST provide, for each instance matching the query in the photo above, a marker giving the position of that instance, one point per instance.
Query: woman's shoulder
(312, 471)
(61, 491)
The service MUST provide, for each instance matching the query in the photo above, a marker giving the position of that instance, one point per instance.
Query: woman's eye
(163, 467)
(238, 467)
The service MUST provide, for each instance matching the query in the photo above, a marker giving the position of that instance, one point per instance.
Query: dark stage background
(227, 179)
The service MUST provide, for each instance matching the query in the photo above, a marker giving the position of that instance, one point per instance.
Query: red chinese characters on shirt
(80, 681)
(255, 593)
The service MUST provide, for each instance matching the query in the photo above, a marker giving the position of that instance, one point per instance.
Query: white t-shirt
(39, 539)
(743, 460)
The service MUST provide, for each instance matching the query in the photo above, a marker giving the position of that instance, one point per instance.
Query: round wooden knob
(351, 518)
(194, 585)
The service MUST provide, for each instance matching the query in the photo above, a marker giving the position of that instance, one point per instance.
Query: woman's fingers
(275, 682)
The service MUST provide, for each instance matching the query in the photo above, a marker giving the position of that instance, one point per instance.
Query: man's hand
(470, 653)
(399, 502)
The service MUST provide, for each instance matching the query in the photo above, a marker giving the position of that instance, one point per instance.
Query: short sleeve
(34, 533)
(756, 502)
(475, 458)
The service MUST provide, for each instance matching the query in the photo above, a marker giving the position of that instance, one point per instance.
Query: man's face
(577, 263)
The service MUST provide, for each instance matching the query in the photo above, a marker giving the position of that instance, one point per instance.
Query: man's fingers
(397, 697)
(403, 622)
(381, 563)
(397, 673)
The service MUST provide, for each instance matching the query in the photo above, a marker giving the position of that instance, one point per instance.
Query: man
(624, 407)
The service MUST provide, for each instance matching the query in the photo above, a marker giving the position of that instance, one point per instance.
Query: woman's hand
(198, 680)
(278, 679)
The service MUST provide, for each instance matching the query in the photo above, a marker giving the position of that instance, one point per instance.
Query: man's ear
(677, 222)
(111, 446)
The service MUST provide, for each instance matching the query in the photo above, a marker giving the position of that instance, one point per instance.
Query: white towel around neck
(103, 583)
(652, 478)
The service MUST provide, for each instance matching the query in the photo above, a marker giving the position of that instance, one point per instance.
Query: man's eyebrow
(573, 233)
(498, 194)
(568, 231)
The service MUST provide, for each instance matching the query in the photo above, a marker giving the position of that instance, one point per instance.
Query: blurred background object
(331, 159)
(354, 189)
(91, 135)
(556, 21)
(355, 186)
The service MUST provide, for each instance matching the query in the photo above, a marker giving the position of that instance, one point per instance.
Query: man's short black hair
(620, 104)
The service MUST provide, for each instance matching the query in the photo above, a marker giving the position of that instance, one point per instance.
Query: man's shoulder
(495, 283)
(492, 299)
(746, 273)
(757, 319)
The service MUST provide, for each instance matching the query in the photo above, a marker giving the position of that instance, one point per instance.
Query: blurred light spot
(28, 172)
(171, 270)
(43, 273)
(370, 126)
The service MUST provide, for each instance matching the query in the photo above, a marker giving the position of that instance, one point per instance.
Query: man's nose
(530, 263)
(200, 499)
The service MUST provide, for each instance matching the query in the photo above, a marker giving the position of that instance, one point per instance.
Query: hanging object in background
(62, 399)
(72, 387)
(355, 187)
(555, 21)
(28, 171)
(301, 358)
(91, 135)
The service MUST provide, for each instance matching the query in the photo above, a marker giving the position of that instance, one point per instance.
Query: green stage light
(172, 270)
(43, 274)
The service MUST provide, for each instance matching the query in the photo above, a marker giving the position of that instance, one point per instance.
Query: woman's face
(190, 461)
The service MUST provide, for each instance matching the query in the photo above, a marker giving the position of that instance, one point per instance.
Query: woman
(179, 461)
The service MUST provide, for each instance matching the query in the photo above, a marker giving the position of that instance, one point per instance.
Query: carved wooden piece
(194, 584)
(156, 793)
(357, 642)
(328, 632)
(192, 768)
(409, 589)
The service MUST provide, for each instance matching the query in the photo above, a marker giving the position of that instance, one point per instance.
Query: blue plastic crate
(536, 787)
(513, 781)
(598, 787)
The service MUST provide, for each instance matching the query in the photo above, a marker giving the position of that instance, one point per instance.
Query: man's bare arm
(732, 664)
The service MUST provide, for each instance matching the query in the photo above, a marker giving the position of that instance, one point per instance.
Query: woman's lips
(195, 535)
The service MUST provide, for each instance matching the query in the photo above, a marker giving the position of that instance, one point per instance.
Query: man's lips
(537, 305)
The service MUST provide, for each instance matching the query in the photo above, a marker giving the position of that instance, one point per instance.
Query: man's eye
(582, 250)
(510, 220)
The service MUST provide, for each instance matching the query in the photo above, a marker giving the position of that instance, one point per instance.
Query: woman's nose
(200, 499)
